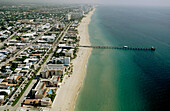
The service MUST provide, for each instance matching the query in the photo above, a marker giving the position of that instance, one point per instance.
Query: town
(37, 46)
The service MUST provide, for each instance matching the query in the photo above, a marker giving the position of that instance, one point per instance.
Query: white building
(28, 34)
(68, 17)
(1, 98)
(61, 60)
(68, 53)
(46, 102)
(48, 38)
(53, 69)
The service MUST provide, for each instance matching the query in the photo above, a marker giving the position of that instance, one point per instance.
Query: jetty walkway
(119, 47)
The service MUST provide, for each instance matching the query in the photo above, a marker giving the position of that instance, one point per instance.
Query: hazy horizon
(106, 2)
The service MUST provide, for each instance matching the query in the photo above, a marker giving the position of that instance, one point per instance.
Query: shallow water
(126, 80)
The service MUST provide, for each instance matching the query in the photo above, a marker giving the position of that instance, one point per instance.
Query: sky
(111, 2)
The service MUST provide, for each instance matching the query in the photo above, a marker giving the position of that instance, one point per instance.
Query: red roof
(44, 91)
(43, 86)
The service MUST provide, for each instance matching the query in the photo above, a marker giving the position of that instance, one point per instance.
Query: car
(9, 103)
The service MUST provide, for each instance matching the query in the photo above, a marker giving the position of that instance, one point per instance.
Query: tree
(3, 69)
(4, 93)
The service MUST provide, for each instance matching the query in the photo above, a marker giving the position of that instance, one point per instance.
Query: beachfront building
(53, 69)
(53, 82)
(68, 53)
(46, 102)
(60, 60)
(40, 90)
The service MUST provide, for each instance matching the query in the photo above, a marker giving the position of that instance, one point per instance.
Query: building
(68, 53)
(48, 38)
(32, 101)
(46, 102)
(1, 99)
(53, 82)
(12, 79)
(76, 15)
(61, 60)
(68, 17)
(28, 35)
(40, 90)
(53, 69)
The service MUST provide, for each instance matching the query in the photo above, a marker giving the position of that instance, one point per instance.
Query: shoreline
(68, 92)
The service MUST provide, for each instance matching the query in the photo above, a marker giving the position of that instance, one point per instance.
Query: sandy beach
(68, 92)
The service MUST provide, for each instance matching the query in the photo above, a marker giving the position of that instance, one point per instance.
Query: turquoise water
(124, 80)
(51, 91)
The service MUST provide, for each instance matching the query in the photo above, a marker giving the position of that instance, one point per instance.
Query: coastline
(68, 92)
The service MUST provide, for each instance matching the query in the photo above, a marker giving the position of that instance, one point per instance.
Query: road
(11, 35)
(23, 48)
(54, 46)
(23, 97)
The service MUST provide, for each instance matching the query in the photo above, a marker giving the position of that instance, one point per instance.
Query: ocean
(128, 80)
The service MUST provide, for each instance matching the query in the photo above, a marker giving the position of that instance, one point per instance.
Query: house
(12, 78)
(3, 36)
(4, 52)
(32, 101)
(64, 46)
(2, 56)
(18, 69)
(29, 60)
(11, 49)
(48, 38)
(3, 86)
(25, 40)
(59, 50)
(41, 41)
(13, 41)
(29, 35)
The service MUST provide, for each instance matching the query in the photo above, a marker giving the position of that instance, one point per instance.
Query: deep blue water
(126, 80)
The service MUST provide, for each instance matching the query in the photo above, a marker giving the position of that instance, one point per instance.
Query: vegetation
(14, 66)
(4, 93)
(2, 76)
(21, 59)
(3, 69)
(14, 37)
(52, 97)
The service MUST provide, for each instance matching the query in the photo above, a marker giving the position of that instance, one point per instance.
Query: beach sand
(68, 92)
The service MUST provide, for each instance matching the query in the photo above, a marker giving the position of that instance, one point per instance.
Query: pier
(119, 47)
